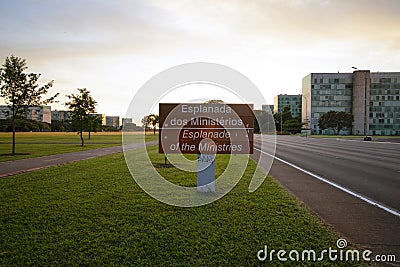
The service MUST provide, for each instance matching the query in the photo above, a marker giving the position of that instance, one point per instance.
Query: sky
(113, 47)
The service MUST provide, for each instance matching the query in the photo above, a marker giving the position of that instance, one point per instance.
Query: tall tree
(20, 90)
(336, 120)
(82, 106)
(282, 117)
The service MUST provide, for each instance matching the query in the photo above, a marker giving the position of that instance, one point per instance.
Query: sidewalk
(8, 168)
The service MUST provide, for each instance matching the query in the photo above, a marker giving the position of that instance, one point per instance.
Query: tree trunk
(89, 128)
(154, 129)
(13, 137)
(82, 139)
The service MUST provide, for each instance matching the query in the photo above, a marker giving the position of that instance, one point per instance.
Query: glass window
(384, 80)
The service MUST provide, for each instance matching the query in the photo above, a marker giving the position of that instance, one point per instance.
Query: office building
(112, 121)
(293, 101)
(268, 108)
(4, 112)
(102, 117)
(126, 121)
(372, 98)
(60, 115)
(36, 113)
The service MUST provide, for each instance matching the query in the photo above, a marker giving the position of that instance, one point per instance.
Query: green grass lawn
(93, 213)
(30, 145)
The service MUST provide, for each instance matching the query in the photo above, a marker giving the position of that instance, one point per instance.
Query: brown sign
(194, 128)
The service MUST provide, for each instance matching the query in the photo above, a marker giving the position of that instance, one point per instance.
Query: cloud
(120, 44)
(301, 21)
(61, 29)
(50, 29)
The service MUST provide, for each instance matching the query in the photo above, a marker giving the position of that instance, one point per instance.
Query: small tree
(82, 106)
(93, 124)
(146, 121)
(293, 126)
(154, 121)
(20, 90)
(336, 120)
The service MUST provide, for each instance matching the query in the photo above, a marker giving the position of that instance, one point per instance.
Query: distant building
(39, 113)
(130, 126)
(372, 97)
(112, 121)
(266, 107)
(60, 115)
(102, 117)
(293, 101)
(4, 112)
(36, 113)
(126, 121)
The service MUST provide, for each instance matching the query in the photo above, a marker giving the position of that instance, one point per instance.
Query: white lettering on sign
(205, 109)
(183, 127)
(205, 134)
(198, 121)
(214, 148)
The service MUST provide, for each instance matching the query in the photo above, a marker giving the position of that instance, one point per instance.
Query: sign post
(205, 172)
(206, 130)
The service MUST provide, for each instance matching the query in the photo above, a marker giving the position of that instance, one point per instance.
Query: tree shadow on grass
(162, 165)
(15, 154)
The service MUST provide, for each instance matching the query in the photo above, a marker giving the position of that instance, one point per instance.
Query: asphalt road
(371, 169)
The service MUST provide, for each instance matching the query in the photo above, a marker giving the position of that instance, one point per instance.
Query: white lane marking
(370, 201)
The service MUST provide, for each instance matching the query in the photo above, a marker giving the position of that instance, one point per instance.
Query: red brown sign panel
(193, 128)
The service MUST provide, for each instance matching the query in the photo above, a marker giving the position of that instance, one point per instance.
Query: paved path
(360, 223)
(8, 168)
